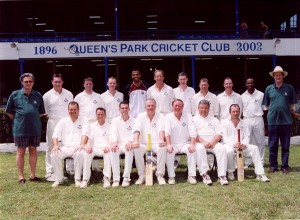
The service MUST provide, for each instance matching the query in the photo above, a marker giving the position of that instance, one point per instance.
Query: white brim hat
(278, 69)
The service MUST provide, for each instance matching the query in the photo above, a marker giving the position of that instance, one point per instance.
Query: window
(283, 26)
(293, 21)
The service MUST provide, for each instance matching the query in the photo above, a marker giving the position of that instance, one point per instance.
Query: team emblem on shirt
(154, 125)
(79, 126)
(95, 101)
(118, 100)
(183, 124)
(66, 100)
(210, 124)
(129, 128)
(166, 93)
(104, 134)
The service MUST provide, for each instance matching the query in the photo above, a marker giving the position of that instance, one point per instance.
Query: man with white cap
(253, 116)
(279, 99)
(227, 98)
(229, 131)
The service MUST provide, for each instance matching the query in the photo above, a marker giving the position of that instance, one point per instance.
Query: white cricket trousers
(161, 153)
(257, 136)
(250, 151)
(220, 152)
(191, 159)
(57, 158)
(138, 154)
(49, 133)
(84, 161)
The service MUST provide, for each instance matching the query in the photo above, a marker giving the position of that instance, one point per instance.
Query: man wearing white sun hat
(279, 99)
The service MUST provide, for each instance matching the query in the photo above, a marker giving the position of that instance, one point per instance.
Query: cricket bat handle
(149, 164)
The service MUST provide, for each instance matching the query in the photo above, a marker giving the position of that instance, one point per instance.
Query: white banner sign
(15, 51)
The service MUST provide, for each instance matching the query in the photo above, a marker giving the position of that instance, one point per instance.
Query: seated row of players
(177, 132)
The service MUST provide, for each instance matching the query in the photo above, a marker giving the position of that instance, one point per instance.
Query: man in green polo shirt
(279, 98)
(25, 106)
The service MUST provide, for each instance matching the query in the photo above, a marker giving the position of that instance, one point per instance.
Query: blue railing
(138, 35)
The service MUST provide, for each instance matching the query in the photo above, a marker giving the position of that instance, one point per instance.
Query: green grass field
(251, 199)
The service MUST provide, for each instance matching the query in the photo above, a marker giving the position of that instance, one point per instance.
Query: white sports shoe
(116, 183)
(140, 180)
(58, 183)
(231, 176)
(192, 180)
(126, 182)
(106, 182)
(263, 178)
(223, 180)
(171, 181)
(77, 183)
(161, 180)
(206, 179)
(83, 184)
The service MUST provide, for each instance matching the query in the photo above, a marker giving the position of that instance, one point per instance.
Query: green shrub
(6, 128)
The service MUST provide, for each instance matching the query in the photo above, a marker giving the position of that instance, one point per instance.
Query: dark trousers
(282, 133)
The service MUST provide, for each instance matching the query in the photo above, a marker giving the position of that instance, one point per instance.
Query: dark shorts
(27, 141)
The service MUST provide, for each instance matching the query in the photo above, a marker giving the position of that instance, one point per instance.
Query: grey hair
(26, 75)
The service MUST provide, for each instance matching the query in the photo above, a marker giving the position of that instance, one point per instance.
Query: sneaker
(51, 178)
(126, 182)
(263, 178)
(58, 183)
(106, 182)
(116, 183)
(161, 180)
(231, 176)
(77, 183)
(83, 184)
(140, 180)
(171, 181)
(192, 180)
(206, 179)
(223, 180)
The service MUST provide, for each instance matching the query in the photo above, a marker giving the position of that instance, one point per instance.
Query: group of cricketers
(178, 120)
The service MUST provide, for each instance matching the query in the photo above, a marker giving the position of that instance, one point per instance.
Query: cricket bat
(149, 164)
(240, 160)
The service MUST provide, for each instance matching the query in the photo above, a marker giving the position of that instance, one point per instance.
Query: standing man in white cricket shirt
(227, 98)
(112, 99)
(89, 101)
(56, 102)
(253, 115)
